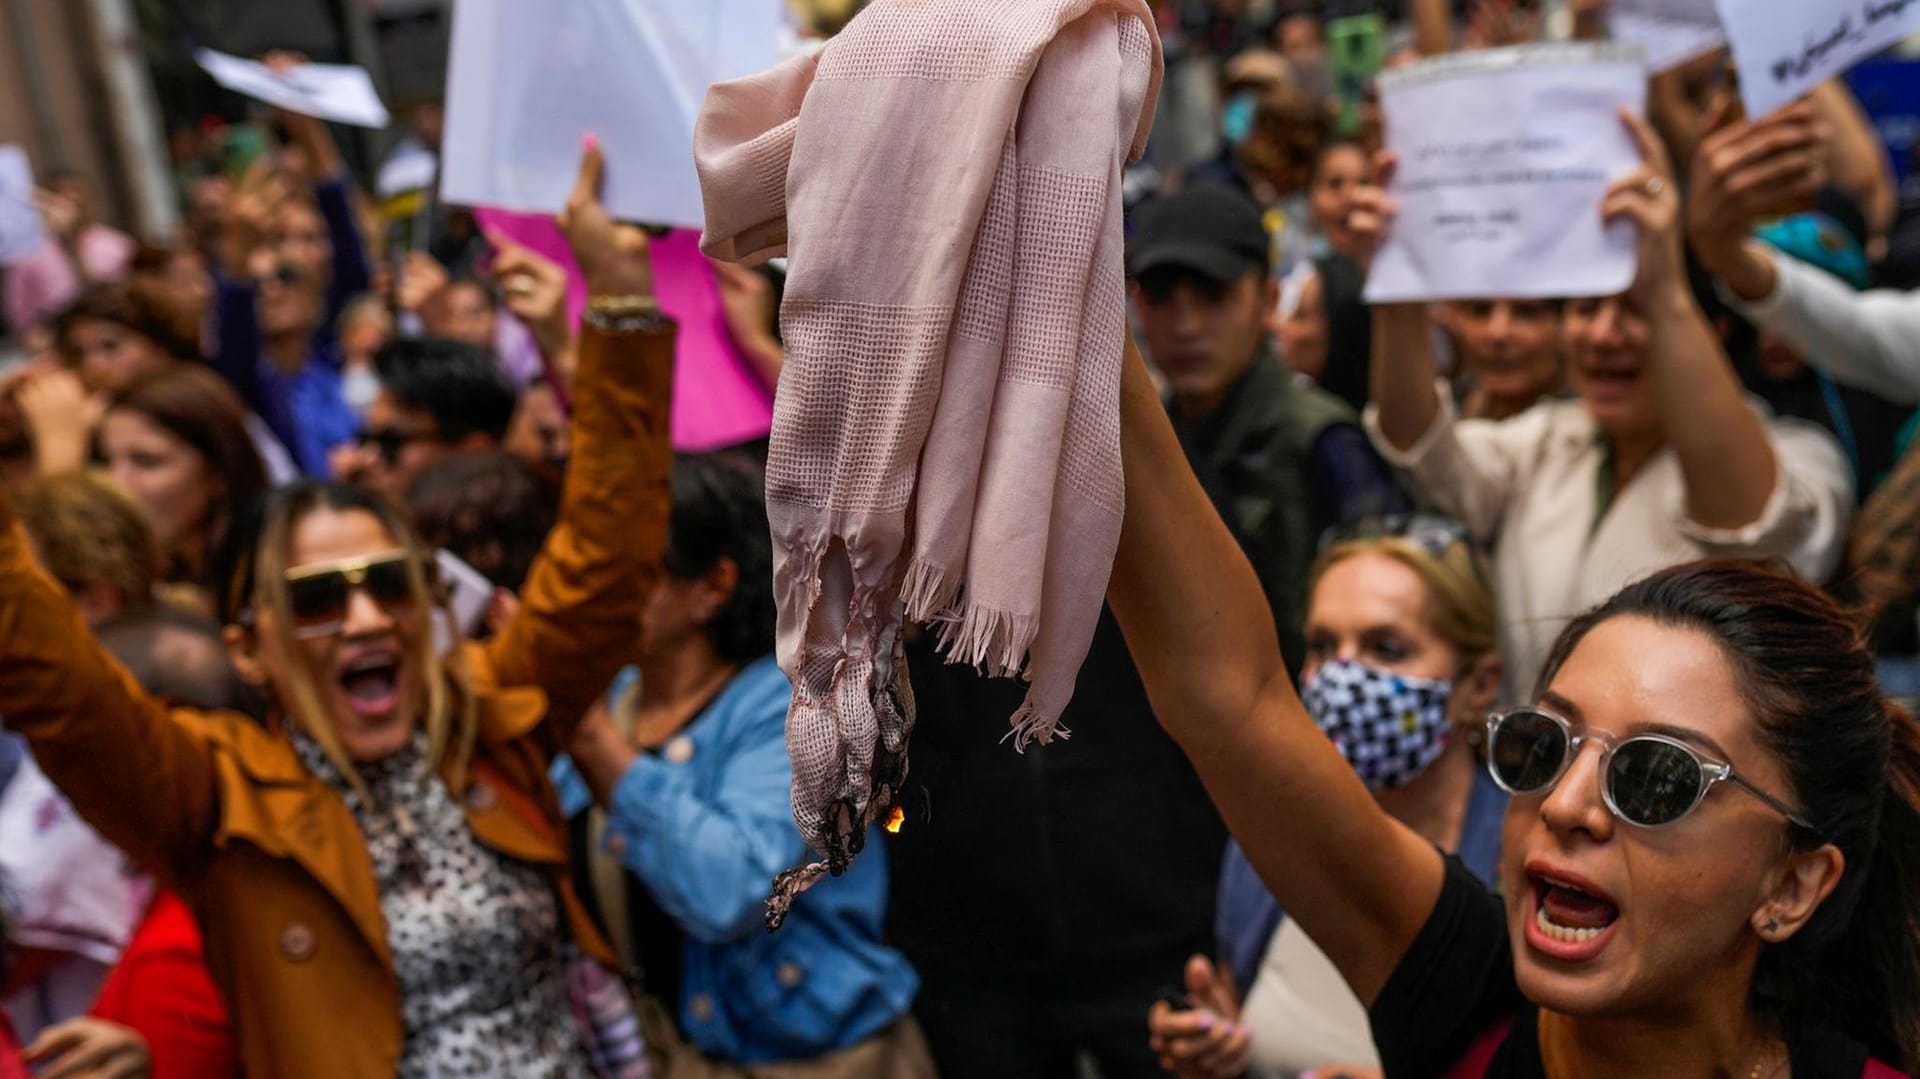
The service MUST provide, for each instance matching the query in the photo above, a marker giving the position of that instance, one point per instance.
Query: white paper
(337, 92)
(1671, 31)
(22, 234)
(527, 81)
(1785, 48)
(1508, 206)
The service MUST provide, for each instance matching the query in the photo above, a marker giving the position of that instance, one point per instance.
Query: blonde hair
(1460, 606)
(88, 530)
(451, 716)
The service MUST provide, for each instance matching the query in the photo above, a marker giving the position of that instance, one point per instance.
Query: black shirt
(1455, 988)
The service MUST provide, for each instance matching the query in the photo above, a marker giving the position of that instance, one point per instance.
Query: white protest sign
(1785, 48)
(528, 81)
(21, 232)
(1508, 206)
(1671, 31)
(337, 92)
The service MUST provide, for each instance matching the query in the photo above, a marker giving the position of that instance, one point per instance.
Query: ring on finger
(520, 285)
(1655, 185)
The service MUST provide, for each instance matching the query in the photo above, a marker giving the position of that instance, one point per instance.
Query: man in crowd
(437, 398)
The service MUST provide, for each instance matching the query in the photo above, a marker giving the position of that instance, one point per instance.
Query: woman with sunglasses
(1710, 864)
(380, 868)
(1400, 670)
(1663, 459)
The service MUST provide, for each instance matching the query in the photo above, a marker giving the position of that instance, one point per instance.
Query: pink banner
(718, 400)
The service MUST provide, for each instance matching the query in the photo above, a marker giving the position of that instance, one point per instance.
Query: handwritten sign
(1671, 31)
(339, 92)
(527, 81)
(1785, 48)
(1509, 206)
(21, 233)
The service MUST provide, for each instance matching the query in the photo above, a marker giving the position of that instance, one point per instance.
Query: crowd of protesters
(1488, 687)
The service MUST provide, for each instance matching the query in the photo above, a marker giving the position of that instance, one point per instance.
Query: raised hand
(535, 290)
(614, 258)
(1746, 172)
(61, 418)
(421, 279)
(1650, 198)
(1370, 212)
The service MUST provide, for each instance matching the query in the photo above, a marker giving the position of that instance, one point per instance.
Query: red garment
(161, 989)
(11, 1066)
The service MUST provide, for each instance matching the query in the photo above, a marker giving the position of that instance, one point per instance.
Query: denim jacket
(705, 825)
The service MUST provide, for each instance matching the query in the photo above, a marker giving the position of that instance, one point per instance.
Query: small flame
(895, 819)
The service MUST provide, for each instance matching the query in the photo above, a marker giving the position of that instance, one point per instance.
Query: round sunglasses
(1648, 780)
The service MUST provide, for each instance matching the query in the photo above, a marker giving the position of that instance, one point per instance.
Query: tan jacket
(267, 855)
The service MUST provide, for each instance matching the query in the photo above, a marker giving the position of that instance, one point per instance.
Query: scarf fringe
(929, 591)
(1030, 725)
(989, 639)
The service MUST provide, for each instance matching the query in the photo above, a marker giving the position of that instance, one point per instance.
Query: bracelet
(626, 314)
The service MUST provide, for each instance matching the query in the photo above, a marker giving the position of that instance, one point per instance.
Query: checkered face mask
(1389, 727)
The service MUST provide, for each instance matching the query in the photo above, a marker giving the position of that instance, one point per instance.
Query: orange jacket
(267, 855)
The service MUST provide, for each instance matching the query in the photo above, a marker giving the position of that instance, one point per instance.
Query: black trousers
(1037, 1030)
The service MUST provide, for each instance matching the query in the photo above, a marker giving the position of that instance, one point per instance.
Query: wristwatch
(626, 314)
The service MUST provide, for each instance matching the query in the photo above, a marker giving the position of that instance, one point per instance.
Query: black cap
(1211, 229)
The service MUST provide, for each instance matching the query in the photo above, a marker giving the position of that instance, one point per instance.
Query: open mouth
(371, 683)
(1569, 920)
(1617, 379)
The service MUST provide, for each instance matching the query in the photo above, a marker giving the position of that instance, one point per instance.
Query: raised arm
(1403, 372)
(579, 620)
(1744, 173)
(139, 777)
(1726, 458)
(1203, 639)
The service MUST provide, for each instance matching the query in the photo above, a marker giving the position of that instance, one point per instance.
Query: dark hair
(487, 508)
(195, 406)
(178, 656)
(720, 511)
(460, 385)
(1289, 129)
(139, 309)
(1853, 761)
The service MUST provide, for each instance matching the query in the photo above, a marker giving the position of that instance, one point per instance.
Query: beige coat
(1528, 489)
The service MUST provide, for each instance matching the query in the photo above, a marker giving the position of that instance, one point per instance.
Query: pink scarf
(945, 176)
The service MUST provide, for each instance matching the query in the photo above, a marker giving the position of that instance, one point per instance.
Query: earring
(1773, 926)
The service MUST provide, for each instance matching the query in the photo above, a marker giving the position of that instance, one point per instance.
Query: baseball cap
(1208, 228)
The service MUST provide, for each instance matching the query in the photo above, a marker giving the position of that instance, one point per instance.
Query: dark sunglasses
(389, 442)
(1648, 780)
(318, 596)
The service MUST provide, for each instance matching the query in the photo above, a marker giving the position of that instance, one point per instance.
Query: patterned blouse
(476, 938)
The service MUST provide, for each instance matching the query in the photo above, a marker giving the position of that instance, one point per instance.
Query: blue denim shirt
(705, 832)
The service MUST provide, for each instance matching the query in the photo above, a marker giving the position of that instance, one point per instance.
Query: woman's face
(1341, 170)
(1371, 608)
(679, 609)
(1609, 361)
(1511, 346)
(1303, 333)
(108, 356)
(299, 235)
(169, 477)
(1675, 905)
(368, 667)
